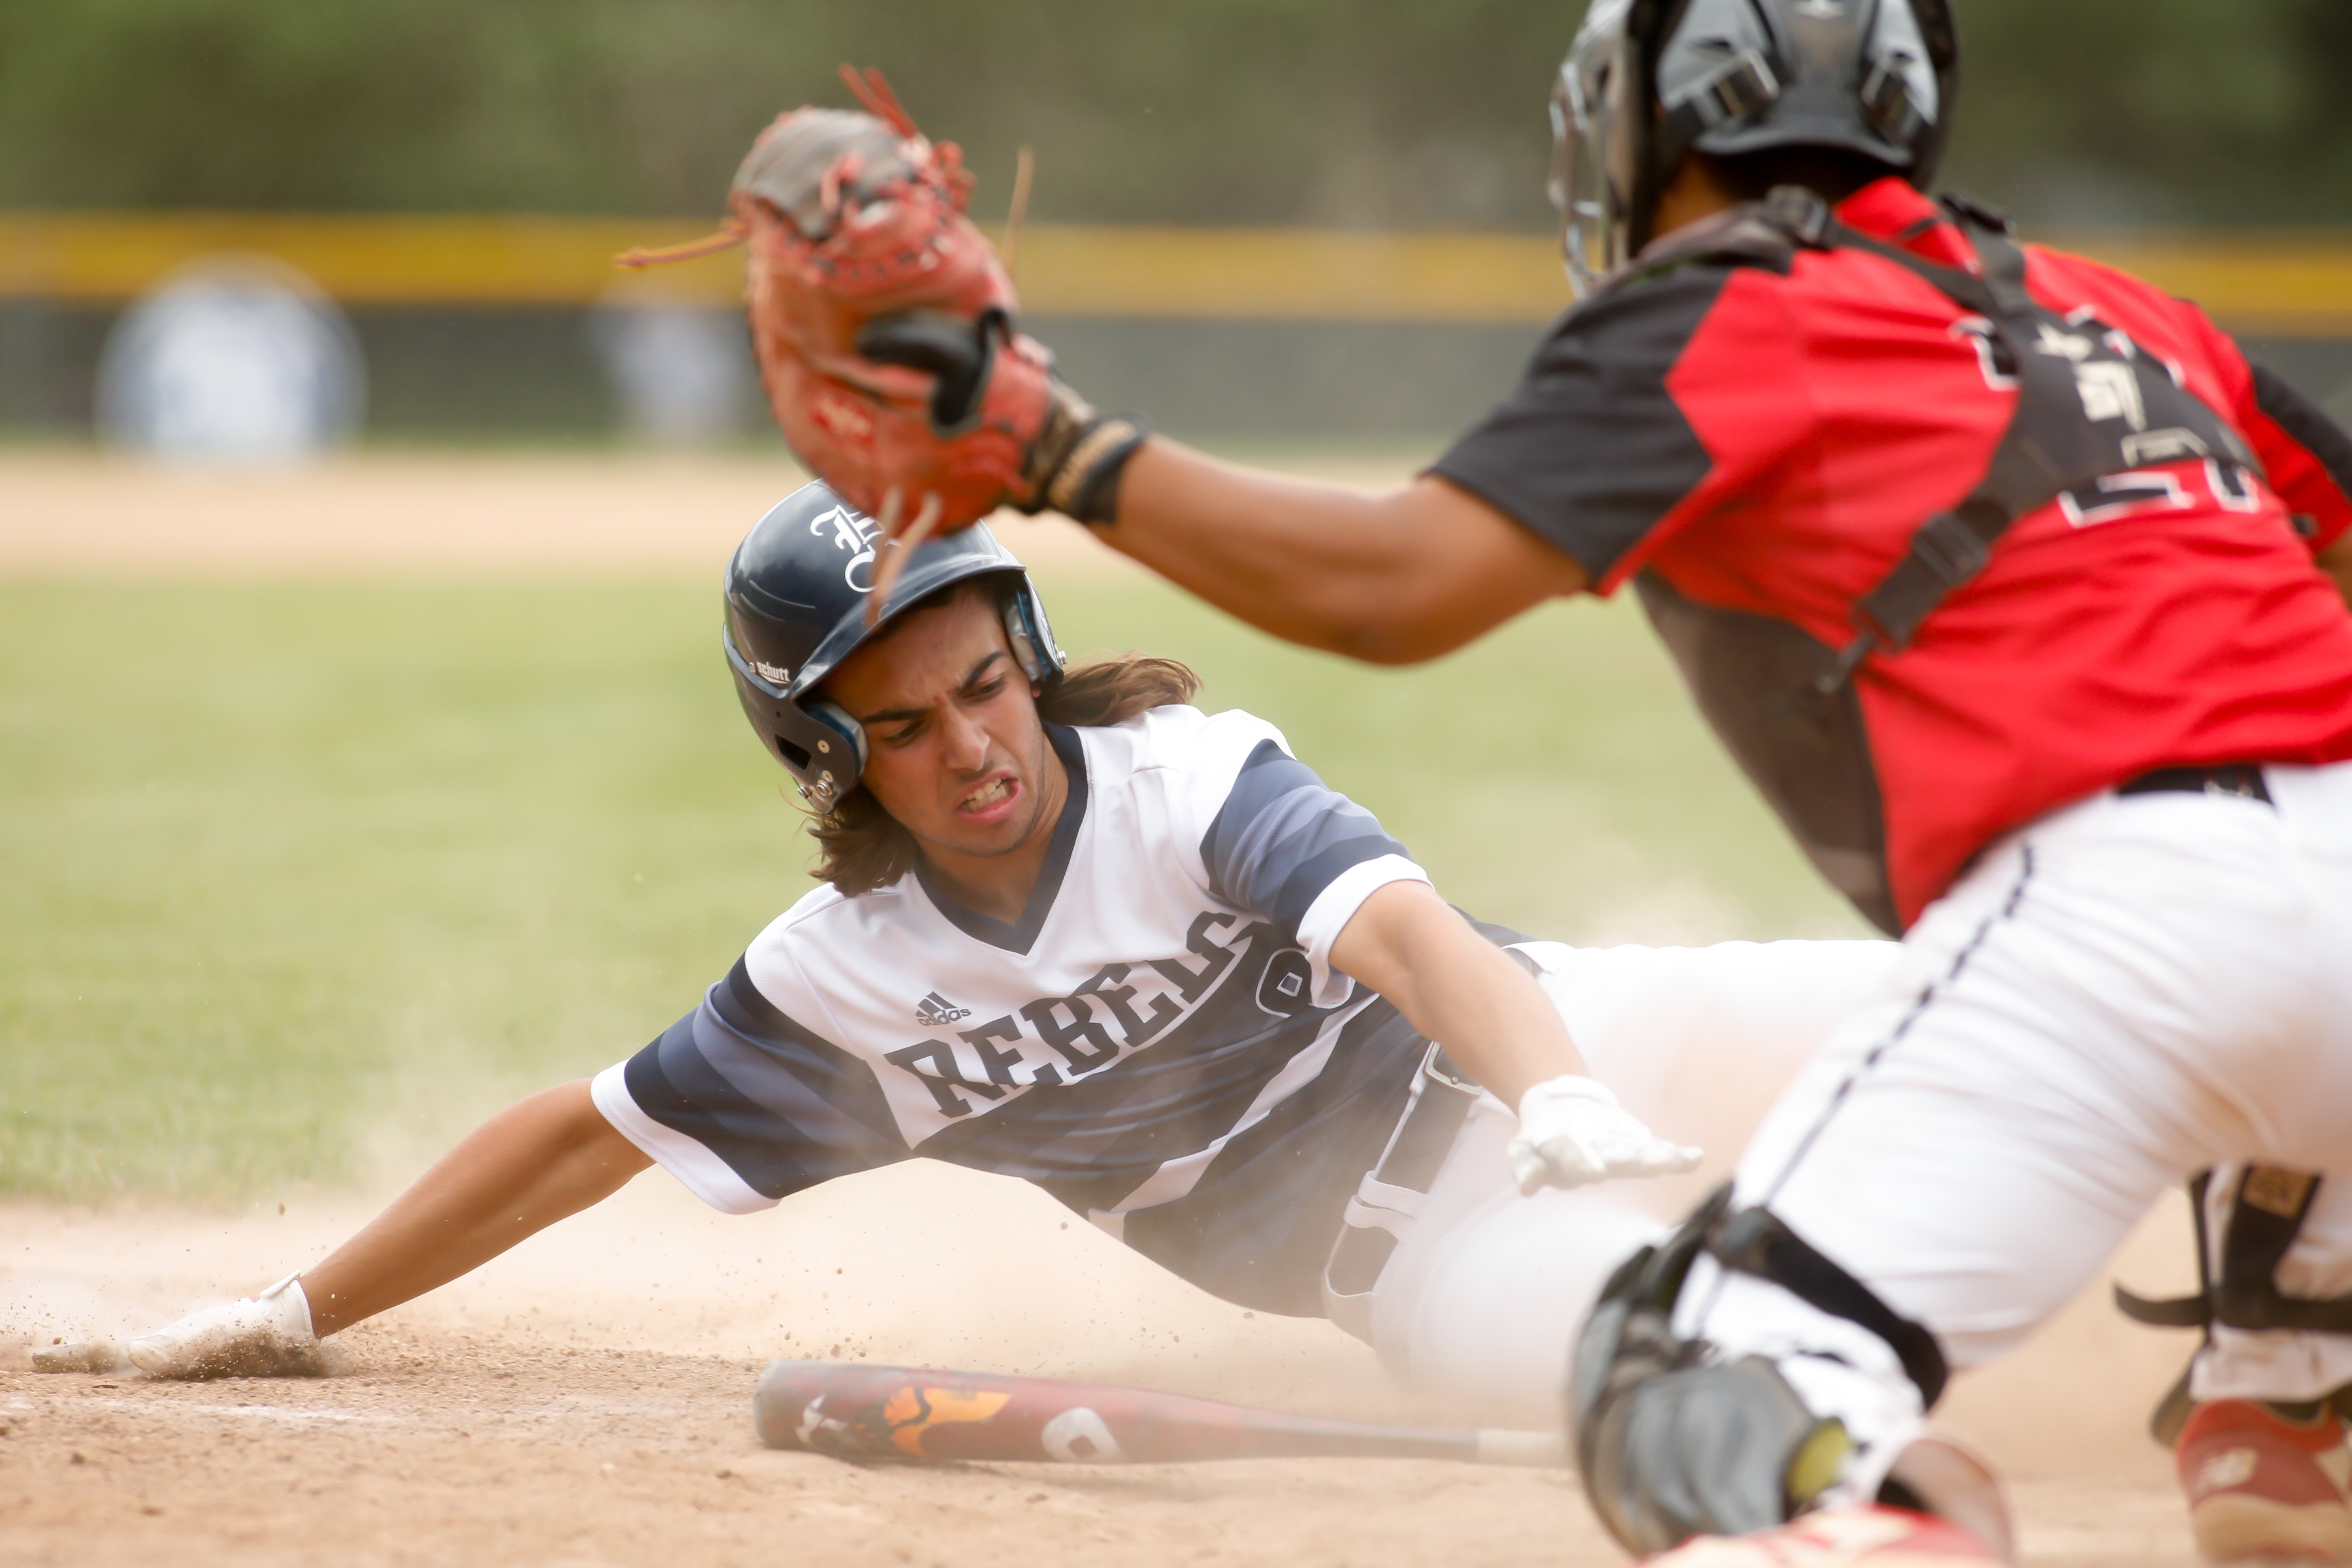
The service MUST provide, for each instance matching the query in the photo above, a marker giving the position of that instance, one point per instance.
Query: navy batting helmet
(796, 599)
(1648, 80)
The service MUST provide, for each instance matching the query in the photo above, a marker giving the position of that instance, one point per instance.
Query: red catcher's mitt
(883, 324)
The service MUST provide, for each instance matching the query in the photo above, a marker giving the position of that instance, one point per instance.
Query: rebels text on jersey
(1159, 1041)
(1765, 440)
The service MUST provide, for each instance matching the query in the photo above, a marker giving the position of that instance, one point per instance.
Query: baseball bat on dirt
(853, 1410)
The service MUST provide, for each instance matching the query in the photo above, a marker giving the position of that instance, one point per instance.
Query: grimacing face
(955, 750)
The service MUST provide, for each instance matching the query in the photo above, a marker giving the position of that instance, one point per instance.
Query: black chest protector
(2091, 409)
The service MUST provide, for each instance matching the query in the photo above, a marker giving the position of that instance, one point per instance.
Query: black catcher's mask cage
(796, 593)
(1648, 80)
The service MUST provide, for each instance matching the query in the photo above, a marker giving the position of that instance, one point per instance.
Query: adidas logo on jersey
(936, 1010)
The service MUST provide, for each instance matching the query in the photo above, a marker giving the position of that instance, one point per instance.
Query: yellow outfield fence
(2295, 282)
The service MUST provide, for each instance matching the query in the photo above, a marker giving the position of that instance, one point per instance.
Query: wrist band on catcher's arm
(1074, 465)
(1085, 485)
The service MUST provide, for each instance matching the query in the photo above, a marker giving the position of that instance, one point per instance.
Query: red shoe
(1873, 1537)
(2262, 1488)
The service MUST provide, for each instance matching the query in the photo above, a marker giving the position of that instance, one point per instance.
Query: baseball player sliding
(1076, 932)
(2006, 578)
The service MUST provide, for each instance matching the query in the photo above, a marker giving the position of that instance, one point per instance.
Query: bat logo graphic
(912, 1412)
(898, 1420)
(860, 1412)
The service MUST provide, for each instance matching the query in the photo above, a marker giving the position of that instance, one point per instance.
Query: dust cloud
(587, 1395)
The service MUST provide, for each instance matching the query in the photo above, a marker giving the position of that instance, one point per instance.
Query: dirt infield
(586, 1400)
(438, 514)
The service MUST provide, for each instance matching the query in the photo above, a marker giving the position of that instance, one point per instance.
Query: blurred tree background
(1365, 113)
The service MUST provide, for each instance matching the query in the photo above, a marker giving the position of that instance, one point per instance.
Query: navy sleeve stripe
(1292, 826)
(1303, 886)
(1269, 773)
(783, 1106)
(704, 1107)
(819, 1085)
(1283, 835)
(747, 1011)
(821, 1097)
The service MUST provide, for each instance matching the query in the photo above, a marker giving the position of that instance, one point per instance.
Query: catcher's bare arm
(1389, 578)
(537, 1162)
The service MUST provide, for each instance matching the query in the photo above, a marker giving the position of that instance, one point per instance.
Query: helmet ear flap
(835, 717)
(1026, 633)
(1017, 638)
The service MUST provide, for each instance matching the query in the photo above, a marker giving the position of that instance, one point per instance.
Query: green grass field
(301, 879)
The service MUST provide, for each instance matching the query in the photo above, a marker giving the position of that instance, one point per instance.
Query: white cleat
(268, 1335)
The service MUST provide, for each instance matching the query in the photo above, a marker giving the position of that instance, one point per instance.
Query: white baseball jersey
(1159, 1041)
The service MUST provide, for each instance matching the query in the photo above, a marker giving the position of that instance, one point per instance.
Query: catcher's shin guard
(1673, 1440)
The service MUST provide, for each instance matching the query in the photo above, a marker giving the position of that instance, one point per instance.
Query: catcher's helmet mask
(1648, 80)
(795, 599)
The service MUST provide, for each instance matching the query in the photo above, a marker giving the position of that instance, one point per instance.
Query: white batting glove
(1572, 1133)
(268, 1335)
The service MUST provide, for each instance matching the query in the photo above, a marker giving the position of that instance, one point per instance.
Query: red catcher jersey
(1768, 441)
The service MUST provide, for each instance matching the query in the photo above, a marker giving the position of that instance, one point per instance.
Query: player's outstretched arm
(1496, 1022)
(531, 1164)
(1415, 950)
(1389, 578)
(539, 1161)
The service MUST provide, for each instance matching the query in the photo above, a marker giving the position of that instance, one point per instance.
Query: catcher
(1076, 932)
(2013, 585)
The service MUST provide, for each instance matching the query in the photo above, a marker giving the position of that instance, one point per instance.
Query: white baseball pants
(2127, 991)
(1486, 1288)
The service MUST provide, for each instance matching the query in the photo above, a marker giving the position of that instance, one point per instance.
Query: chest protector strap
(2095, 416)
(2092, 409)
